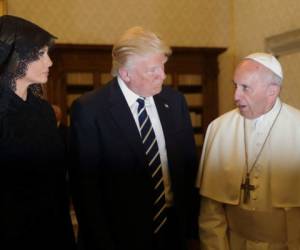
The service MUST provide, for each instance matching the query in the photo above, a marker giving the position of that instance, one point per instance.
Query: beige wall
(181, 22)
(2, 7)
(242, 25)
(255, 20)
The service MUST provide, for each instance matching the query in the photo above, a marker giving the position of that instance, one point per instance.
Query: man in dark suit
(134, 155)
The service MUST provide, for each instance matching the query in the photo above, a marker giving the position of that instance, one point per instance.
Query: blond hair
(136, 41)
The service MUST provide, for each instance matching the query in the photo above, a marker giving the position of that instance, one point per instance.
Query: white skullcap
(268, 61)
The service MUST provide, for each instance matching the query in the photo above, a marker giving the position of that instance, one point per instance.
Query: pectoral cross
(247, 188)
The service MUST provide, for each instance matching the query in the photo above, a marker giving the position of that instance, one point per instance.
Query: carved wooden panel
(193, 71)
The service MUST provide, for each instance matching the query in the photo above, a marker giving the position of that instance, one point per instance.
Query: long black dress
(34, 209)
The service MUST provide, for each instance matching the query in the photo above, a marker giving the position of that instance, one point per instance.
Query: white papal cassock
(271, 218)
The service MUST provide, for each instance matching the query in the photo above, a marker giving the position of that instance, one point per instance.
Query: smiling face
(254, 94)
(144, 75)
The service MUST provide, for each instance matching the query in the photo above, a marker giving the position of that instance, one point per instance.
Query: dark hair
(20, 43)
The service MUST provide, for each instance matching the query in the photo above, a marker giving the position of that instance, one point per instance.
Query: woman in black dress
(34, 204)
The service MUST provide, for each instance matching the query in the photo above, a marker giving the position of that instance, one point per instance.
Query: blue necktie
(154, 167)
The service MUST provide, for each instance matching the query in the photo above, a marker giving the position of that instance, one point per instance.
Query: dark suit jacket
(112, 189)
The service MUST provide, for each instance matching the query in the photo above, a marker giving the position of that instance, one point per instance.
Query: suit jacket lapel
(164, 110)
(122, 115)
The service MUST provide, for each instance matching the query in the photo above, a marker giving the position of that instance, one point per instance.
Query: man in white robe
(249, 174)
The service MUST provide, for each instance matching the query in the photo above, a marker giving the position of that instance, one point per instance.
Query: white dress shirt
(131, 99)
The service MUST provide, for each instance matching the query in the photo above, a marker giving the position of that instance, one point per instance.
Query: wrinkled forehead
(248, 66)
(249, 72)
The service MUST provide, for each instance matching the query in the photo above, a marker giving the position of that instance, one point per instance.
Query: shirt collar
(130, 96)
(270, 114)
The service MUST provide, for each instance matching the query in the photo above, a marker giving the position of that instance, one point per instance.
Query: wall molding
(284, 43)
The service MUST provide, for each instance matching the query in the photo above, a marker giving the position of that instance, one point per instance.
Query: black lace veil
(20, 42)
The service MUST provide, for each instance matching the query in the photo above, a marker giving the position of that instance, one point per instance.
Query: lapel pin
(166, 105)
